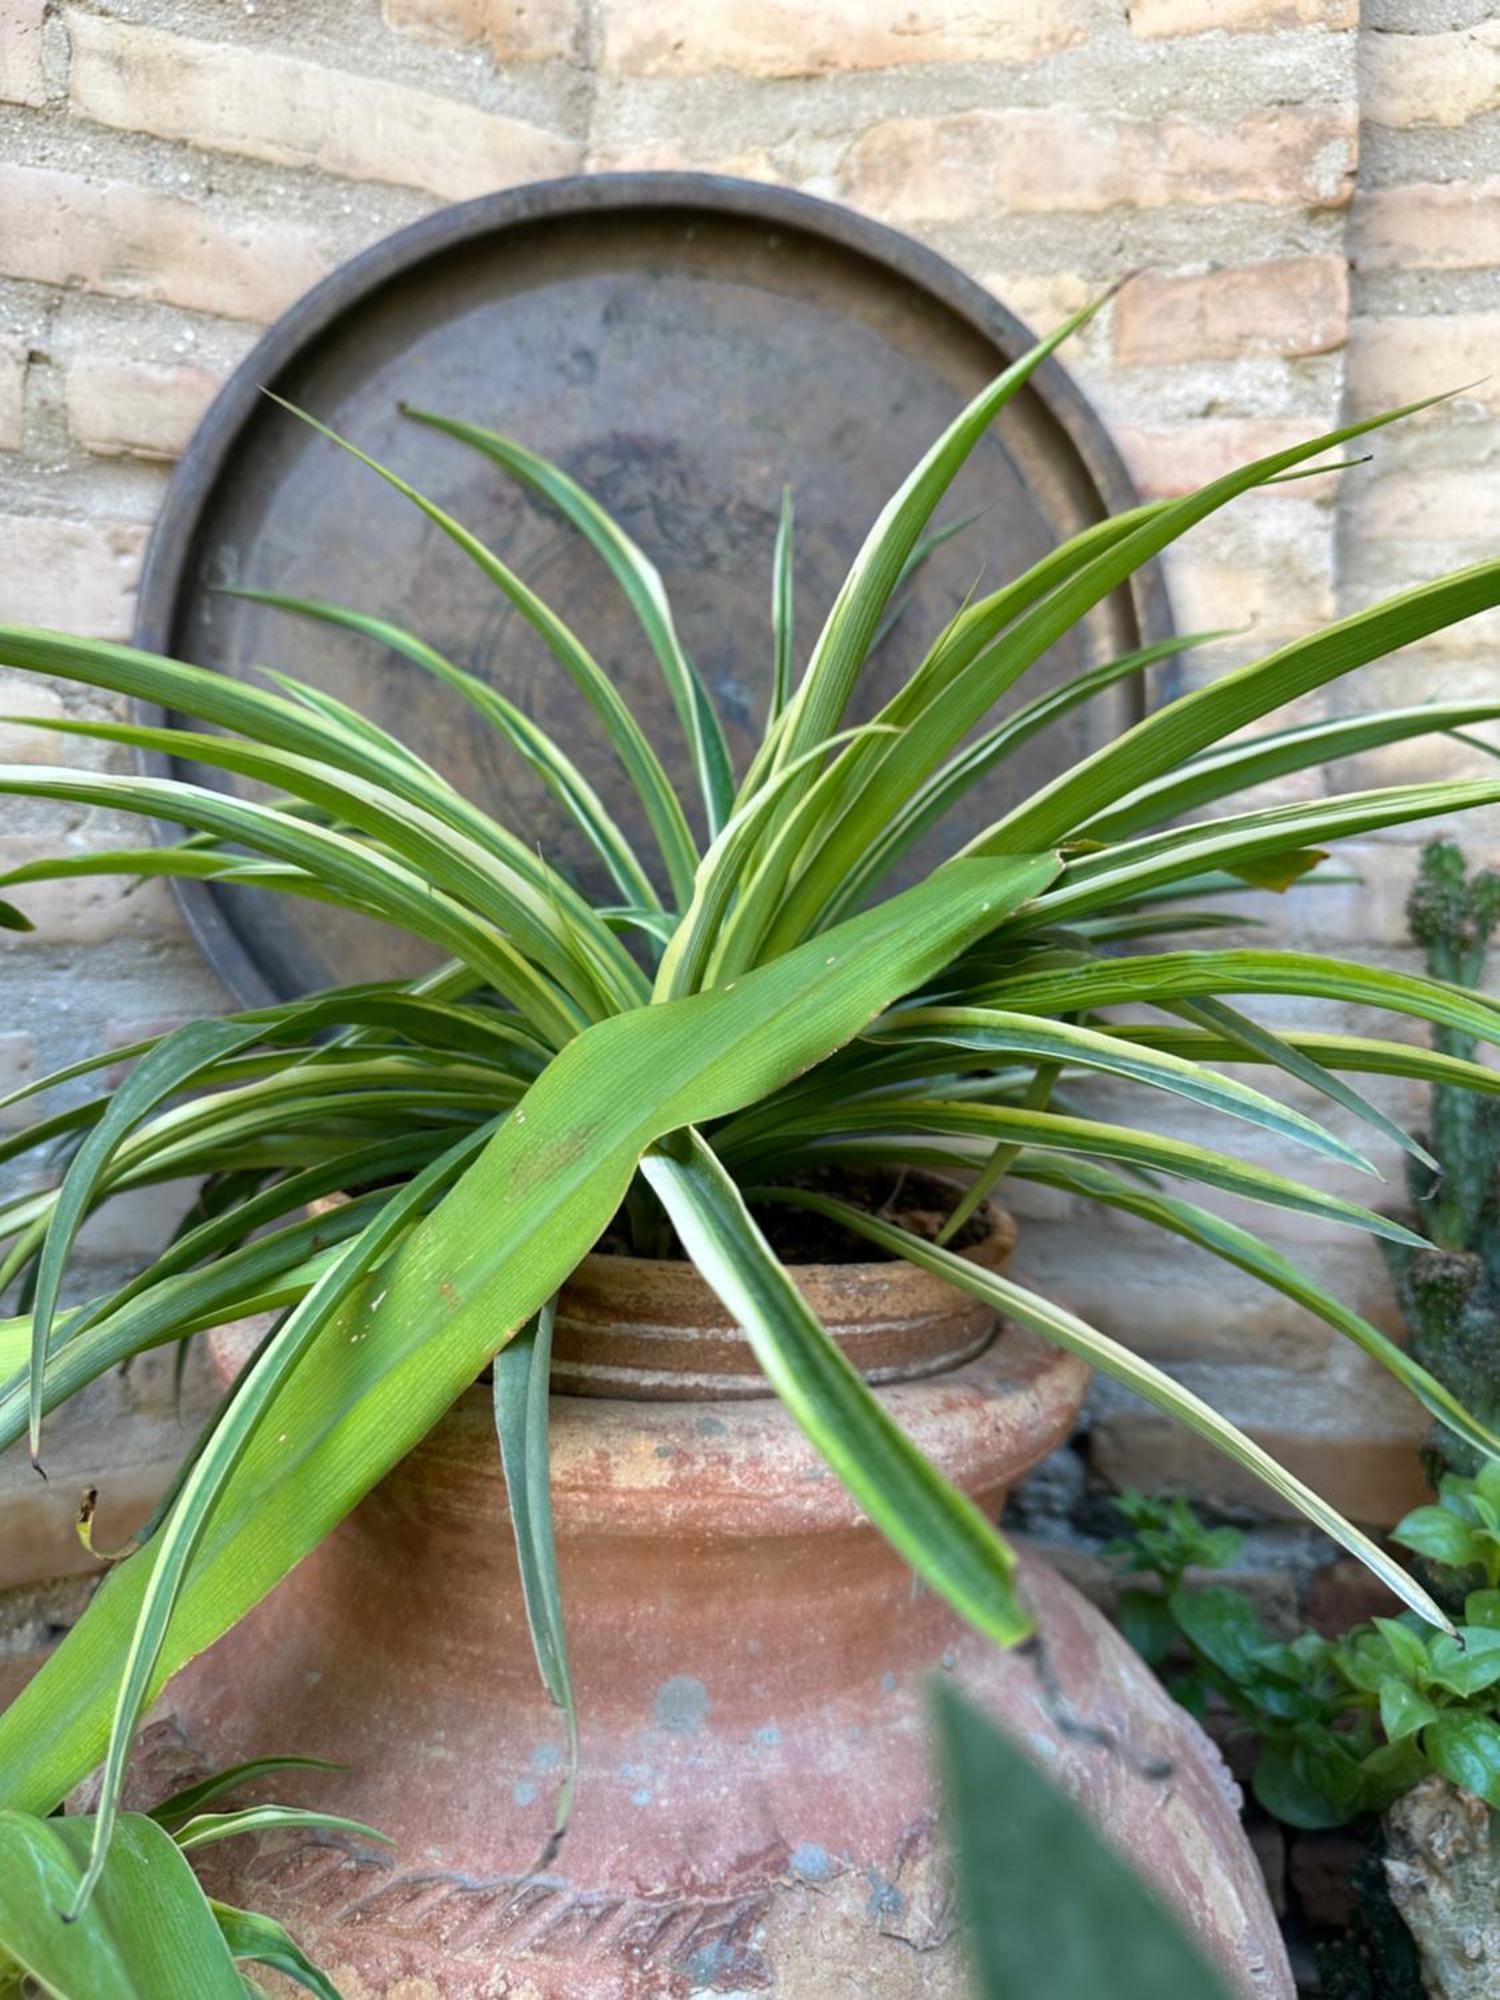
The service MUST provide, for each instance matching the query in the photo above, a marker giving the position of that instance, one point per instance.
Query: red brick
(300, 114)
(1443, 79)
(1428, 226)
(136, 408)
(1394, 361)
(977, 163)
(78, 576)
(21, 77)
(516, 30)
(1285, 306)
(787, 38)
(91, 909)
(1166, 460)
(111, 236)
(1431, 504)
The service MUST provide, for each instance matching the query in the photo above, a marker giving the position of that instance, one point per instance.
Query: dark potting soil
(910, 1199)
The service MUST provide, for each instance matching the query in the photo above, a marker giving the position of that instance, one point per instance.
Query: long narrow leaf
(640, 580)
(522, 1379)
(989, 1030)
(1251, 1253)
(783, 623)
(940, 1532)
(396, 892)
(640, 761)
(1156, 977)
(1237, 766)
(1091, 1137)
(1261, 1043)
(1162, 742)
(173, 1063)
(1055, 1323)
(262, 1941)
(557, 771)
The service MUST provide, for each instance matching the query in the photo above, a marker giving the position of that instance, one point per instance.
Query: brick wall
(1312, 202)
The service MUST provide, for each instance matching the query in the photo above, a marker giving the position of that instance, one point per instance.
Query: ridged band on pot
(646, 1328)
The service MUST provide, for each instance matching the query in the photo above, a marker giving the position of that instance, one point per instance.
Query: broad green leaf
(1403, 1711)
(1220, 1623)
(1467, 1665)
(1439, 1535)
(262, 1941)
(641, 583)
(1309, 1781)
(1039, 1886)
(243, 1422)
(148, 1931)
(1055, 1323)
(478, 1266)
(1466, 1749)
(938, 1530)
(522, 1379)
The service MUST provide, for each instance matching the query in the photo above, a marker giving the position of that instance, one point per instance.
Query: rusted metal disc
(684, 345)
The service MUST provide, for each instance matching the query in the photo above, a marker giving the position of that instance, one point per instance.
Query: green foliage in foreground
(148, 1931)
(1018, 1841)
(730, 1012)
(1345, 1726)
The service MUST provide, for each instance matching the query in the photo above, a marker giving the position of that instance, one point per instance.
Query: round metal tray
(684, 345)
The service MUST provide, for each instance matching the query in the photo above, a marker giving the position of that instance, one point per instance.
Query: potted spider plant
(737, 1127)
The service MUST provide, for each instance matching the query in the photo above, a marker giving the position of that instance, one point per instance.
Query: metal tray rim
(346, 287)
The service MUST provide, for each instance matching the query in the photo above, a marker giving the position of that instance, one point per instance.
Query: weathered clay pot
(754, 1808)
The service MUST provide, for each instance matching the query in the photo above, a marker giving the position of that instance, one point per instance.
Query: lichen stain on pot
(754, 1808)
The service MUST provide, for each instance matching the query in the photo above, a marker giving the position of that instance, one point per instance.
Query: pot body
(754, 1808)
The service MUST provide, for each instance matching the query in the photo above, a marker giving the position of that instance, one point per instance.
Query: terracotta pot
(754, 1809)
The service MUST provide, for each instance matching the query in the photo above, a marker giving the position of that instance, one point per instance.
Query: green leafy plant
(1448, 1288)
(148, 1928)
(747, 1011)
(1344, 1726)
(1015, 1838)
